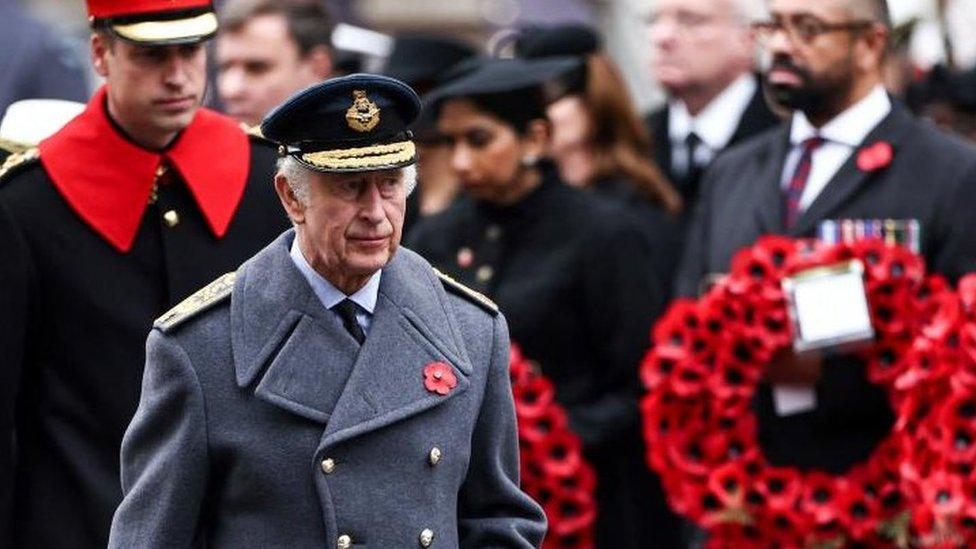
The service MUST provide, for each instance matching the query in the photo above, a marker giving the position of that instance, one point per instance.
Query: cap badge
(363, 115)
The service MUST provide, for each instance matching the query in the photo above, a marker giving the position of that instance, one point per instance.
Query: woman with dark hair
(600, 142)
(572, 274)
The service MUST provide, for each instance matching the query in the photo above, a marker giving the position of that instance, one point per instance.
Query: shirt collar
(329, 295)
(716, 124)
(850, 127)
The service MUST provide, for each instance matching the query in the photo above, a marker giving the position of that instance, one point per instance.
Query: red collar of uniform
(107, 180)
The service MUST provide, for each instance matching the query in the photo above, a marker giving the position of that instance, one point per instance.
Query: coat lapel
(769, 206)
(412, 327)
(850, 179)
(277, 324)
(757, 117)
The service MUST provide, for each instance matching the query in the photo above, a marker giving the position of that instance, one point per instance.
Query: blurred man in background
(269, 49)
(703, 53)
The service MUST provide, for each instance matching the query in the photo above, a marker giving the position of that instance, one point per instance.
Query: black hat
(943, 85)
(562, 40)
(354, 123)
(419, 60)
(547, 78)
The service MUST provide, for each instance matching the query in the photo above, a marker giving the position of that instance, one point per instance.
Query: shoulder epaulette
(12, 146)
(473, 296)
(203, 299)
(17, 160)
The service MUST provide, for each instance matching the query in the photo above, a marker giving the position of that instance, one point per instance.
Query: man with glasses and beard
(850, 152)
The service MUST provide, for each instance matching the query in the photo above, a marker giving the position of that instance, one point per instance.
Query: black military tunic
(75, 310)
(573, 274)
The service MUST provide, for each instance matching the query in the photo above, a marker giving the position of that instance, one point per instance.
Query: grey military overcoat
(263, 424)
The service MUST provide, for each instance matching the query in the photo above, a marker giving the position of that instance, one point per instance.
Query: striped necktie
(798, 182)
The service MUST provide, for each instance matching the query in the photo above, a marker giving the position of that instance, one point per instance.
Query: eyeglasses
(803, 29)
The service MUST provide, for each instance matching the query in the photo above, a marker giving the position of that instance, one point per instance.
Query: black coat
(932, 178)
(757, 118)
(663, 230)
(574, 276)
(74, 315)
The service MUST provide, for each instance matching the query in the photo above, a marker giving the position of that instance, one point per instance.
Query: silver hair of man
(750, 10)
(298, 177)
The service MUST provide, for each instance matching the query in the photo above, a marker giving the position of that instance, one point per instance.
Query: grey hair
(298, 177)
(749, 11)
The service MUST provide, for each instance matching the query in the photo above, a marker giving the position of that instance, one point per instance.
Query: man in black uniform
(127, 210)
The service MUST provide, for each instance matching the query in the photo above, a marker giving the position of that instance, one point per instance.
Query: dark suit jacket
(757, 118)
(932, 178)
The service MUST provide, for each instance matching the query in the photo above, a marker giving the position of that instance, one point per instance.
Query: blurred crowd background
(933, 33)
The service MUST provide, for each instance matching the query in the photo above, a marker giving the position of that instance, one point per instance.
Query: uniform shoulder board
(19, 160)
(473, 296)
(12, 146)
(203, 299)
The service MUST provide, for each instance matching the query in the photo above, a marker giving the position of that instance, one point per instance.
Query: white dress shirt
(842, 135)
(714, 125)
(330, 296)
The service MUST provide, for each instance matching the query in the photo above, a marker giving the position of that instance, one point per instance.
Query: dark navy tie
(346, 310)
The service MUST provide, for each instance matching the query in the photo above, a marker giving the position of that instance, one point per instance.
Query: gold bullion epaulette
(203, 299)
(12, 146)
(18, 160)
(473, 296)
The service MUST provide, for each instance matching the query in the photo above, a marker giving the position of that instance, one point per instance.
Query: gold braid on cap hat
(363, 157)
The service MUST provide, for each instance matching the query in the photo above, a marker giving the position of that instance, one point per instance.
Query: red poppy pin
(875, 157)
(439, 378)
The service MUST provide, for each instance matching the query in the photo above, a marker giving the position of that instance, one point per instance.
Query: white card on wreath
(790, 400)
(828, 307)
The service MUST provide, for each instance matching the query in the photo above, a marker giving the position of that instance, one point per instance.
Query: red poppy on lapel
(439, 378)
(875, 157)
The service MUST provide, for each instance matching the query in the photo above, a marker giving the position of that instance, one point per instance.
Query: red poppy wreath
(917, 489)
(553, 471)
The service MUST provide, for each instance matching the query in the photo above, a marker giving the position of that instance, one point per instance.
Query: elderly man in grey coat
(335, 391)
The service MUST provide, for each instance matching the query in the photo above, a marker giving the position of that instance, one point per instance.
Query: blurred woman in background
(572, 275)
(600, 143)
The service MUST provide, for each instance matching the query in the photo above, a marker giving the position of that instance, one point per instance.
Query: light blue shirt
(330, 296)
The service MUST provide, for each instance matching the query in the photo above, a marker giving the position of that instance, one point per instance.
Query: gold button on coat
(484, 273)
(171, 218)
(344, 542)
(426, 537)
(493, 232)
(435, 456)
(328, 465)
